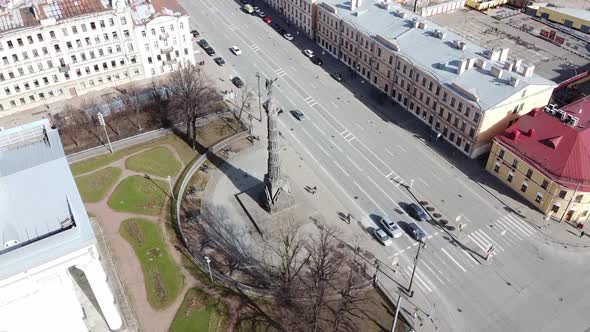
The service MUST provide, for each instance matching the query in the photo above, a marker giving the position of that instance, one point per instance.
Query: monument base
(277, 195)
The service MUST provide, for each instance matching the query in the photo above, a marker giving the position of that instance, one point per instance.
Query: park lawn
(200, 312)
(136, 194)
(158, 161)
(93, 187)
(163, 280)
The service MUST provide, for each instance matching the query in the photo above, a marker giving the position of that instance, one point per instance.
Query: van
(248, 8)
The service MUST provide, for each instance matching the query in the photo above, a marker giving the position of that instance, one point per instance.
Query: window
(9, 43)
(105, 36)
(181, 26)
(510, 177)
(64, 31)
(57, 49)
(444, 98)
(529, 173)
(162, 30)
(35, 52)
(14, 57)
(149, 60)
(111, 22)
(515, 163)
(19, 41)
(123, 21)
(476, 117)
(30, 39)
(539, 198)
(83, 27)
(92, 25)
(69, 45)
(143, 34)
(545, 184)
(497, 167)
(100, 52)
(579, 198)
(52, 34)
(467, 111)
(562, 194)
(452, 101)
(501, 154)
(101, 22)
(153, 32)
(74, 29)
(125, 33)
(555, 208)
(524, 187)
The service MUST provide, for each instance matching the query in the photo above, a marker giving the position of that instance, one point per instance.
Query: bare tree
(132, 104)
(324, 264)
(192, 93)
(245, 97)
(351, 291)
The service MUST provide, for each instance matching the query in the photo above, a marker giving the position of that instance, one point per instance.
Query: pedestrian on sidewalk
(580, 226)
(582, 234)
(314, 189)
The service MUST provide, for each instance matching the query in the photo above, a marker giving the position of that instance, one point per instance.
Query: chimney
(459, 44)
(515, 134)
(470, 63)
(528, 70)
(508, 65)
(415, 22)
(462, 66)
(514, 81)
(517, 65)
(496, 72)
(504, 54)
(354, 4)
(400, 13)
(531, 132)
(493, 54)
(422, 25)
(480, 63)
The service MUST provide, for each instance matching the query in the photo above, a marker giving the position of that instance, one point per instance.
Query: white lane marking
(390, 153)
(477, 242)
(423, 281)
(419, 178)
(433, 273)
(418, 283)
(390, 174)
(508, 227)
(336, 145)
(374, 155)
(481, 239)
(342, 169)
(522, 224)
(359, 126)
(436, 267)
(357, 166)
(335, 105)
(280, 72)
(342, 133)
(469, 256)
(306, 132)
(516, 226)
(454, 261)
(400, 147)
(506, 240)
(318, 128)
(490, 240)
(326, 152)
(293, 68)
(369, 197)
(350, 139)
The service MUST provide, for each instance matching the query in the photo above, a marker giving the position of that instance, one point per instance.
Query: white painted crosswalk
(232, 27)
(280, 72)
(254, 47)
(310, 101)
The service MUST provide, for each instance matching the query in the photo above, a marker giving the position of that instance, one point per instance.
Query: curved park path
(126, 260)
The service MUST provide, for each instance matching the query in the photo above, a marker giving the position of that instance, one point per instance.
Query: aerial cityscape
(294, 165)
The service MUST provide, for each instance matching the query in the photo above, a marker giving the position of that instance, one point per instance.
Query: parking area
(519, 33)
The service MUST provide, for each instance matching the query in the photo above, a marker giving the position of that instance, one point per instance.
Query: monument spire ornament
(276, 185)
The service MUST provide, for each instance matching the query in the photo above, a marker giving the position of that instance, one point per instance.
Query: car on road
(267, 20)
(336, 76)
(248, 8)
(390, 227)
(382, 237)
(416, 232)
(282, 31)
(219, 60)
(235, 50)
(237, 82)
(288, 36)
(210, 51)
(261, 13)
(244, 1)
(309, 53)
(195, 33)
(203, 43)
(417, 212)
(276, 26)
(317, 60)
(298, 115)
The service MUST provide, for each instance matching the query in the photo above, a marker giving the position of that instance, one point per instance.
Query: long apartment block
(300, 13)
(466, 94)
(51, 50)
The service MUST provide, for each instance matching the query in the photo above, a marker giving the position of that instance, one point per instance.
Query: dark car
(298, 114)
(219, 60)
(237, 82)
(337, 77)
(416, 232)
(195, 33)
(282, 31)
(417, 212)
(209, 50)
(276, 26)
(203, 43)
(317, 60)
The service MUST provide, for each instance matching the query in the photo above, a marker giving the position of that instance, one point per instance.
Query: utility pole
(259, 98)
(410, 291)
(208, 260)
(104, 126)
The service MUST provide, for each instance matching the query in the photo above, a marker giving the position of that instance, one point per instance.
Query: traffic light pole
(410, 291)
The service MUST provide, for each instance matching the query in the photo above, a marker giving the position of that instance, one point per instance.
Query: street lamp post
(259, 98)
(169, 178)
(208, 260)
(410, 291)
(399, 299)
(104, 126)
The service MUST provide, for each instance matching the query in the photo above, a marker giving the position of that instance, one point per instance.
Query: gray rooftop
(42, 216)
(437, 57)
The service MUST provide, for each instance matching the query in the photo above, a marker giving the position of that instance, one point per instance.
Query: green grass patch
(200, 312)
(94, 186)
(158, 161)
(163, 280)
(137, 194)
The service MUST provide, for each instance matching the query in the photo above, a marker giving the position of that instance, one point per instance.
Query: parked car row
(389, 229)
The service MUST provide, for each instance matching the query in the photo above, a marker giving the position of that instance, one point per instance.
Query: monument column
(98, 282)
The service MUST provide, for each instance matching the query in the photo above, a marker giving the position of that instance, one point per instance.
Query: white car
(236, 50)
(309, 53)
(382, 237)
(390, 227)
(288, 36)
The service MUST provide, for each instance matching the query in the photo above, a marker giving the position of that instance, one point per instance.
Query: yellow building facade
(483, 5)
(570, 17)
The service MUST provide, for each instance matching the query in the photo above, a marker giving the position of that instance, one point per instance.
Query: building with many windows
(46, 239)
(300, 13)
(545, 157)
(466, 94)
(56, 49)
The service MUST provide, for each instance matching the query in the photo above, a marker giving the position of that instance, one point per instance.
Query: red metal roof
(560, 151)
